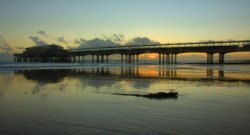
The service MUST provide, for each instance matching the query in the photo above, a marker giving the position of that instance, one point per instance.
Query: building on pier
(46, 53)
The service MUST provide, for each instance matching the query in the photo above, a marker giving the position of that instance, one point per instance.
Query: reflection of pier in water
(133, 73)
(210, 73)
(48, 75)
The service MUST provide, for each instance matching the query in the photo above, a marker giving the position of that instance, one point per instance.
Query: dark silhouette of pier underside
(130, 54)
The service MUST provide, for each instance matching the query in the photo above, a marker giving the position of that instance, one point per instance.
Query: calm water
(78, 100)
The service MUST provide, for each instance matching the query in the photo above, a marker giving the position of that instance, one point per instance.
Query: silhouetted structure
(47, 53)
(130, 54)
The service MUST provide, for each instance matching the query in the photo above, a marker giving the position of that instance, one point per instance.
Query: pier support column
(121, 58)
(167, 58)
(175, 58)
(97, 58)
(159, 58)
(23, 59)
(126, 58)
(19, 59)
(32, 60)
(102, 58)
(15, 59)
(83, 59)
(107, 58)
(135, 61)
(71, 59)
(129, 58)
(75, 59)
(68, 59)
(137, 58)
(26, 59)
(171, 59)
(221, 58)
(92, 58)
(210, 58)
(78, 59)
(163, 58)
(133, 58)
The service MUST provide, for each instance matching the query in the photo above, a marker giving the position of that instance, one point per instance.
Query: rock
(159, 95)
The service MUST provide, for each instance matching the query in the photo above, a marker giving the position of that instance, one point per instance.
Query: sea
(99, 99)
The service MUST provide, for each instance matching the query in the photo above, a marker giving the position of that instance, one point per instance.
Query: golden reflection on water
(126, 78)
(127, 73)
(157, 72)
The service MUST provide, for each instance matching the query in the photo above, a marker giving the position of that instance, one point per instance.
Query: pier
(168, 53)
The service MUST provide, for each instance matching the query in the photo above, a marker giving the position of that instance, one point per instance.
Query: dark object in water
(159, 95)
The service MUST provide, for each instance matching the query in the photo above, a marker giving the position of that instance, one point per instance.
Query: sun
(152, 55)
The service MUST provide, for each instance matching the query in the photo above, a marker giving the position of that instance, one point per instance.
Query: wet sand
(74, 100)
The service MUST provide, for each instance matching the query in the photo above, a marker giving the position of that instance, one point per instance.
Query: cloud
(97, 42)
(5, 51)
(62, 40)
(20, 48)
(42, 33)
(141, 41)
(118, 38)
(115, 40)
(79, 41)
(4, 46)
(38, 41)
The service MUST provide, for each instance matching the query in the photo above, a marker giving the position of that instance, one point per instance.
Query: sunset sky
(74, 23)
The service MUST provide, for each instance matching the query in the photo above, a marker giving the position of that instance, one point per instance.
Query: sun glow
(152, 55)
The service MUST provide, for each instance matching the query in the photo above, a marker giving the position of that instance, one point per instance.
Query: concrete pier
(130, 54)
